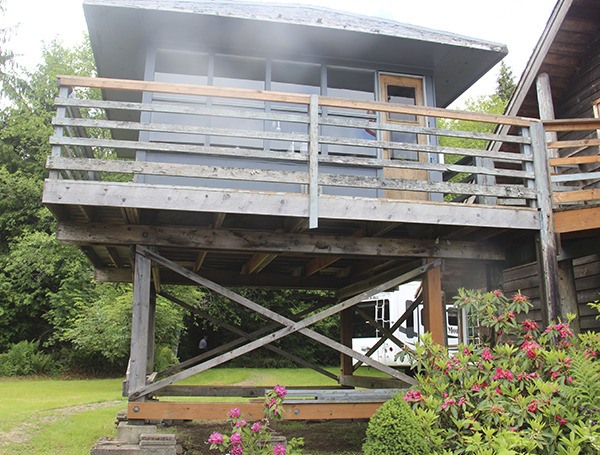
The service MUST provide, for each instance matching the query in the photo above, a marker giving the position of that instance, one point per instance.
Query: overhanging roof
(120, 30)
(565, 42)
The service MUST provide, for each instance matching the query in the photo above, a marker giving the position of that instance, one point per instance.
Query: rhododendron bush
(522, 389)
(256, 438)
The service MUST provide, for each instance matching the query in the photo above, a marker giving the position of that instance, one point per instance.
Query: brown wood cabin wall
(524, 278)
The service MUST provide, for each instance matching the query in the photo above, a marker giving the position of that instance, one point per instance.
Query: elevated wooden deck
(302, 209)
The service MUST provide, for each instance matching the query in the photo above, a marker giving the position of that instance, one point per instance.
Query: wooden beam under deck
(160, 197)
(270, 242)
(157, 410)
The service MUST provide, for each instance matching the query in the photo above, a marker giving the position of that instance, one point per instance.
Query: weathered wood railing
(192, 135)
(575, 164)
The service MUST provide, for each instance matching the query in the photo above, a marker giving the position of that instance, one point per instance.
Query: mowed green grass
(42, 416)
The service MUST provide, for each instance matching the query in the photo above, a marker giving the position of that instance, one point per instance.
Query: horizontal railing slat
(229, 173)
(286, 156)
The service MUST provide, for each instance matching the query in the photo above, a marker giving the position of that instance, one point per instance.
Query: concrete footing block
(138, 440)
(131, 433)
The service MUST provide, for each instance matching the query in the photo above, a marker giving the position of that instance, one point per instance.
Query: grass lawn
(51, 416)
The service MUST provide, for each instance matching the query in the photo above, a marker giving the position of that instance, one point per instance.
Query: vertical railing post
(313, 162)
(61, 113)
(546, 239)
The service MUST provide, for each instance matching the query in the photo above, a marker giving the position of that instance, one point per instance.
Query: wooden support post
(140, 321)
(346, 339)
(433, 305)
(493, 276)
(546, 239)
(566, 281)
(568, 293)
(151, 331)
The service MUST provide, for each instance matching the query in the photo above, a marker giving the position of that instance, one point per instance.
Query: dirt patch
(22, 432)
(320, 438)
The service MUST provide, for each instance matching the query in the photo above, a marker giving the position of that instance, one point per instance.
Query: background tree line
(53, 316)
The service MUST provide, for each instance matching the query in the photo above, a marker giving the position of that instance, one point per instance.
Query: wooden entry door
(403, 90)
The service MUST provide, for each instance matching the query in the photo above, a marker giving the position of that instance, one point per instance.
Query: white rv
(386, 308)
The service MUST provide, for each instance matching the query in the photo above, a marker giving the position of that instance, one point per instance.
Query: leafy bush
(533, 392)
(393, 429)
(25, 358)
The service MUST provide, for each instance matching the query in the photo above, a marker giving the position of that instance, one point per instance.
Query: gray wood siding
(587, 284)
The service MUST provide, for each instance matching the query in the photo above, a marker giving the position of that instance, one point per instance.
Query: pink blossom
(530, 347)
(448, 402)
(241, 423)
(236, 450)
(503, 374)
(561, 421)
(256, 427)
(533, 406)
(413, 396)
(215, 438)
(281, 391)
(554, 374)
(236, 439)
(530, 325)
(487, 354)
(498, 391)
(461, 401)
(272, 403)
(475, 387)
(497, 293)
(518, 297)
(510, 316)
(234, 413)
(279, 450)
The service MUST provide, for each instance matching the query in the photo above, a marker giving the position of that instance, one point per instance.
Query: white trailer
(386, 308)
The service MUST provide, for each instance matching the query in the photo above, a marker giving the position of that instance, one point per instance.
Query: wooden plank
(576, 143)
(251, 411)
(284, 156)
(264, 95)
(138, 195)
(575, 124)
(561, 178)
(346, 320)
(576, 196)
(272, 242)
(370, 382)
(577, 220)
(175, 128)
(243, 391)
(571, 160)
(268, 175)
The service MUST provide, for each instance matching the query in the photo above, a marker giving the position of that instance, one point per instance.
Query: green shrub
(523, 390)
(25, 358)
(394, 430)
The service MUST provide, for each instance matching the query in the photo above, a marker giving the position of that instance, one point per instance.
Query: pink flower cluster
(531, 348)
(215, 438)
(562, 329)
(280, 390)
(279, 450)
(487, 354)
(503, 374)
(529, 325)
(413, 396)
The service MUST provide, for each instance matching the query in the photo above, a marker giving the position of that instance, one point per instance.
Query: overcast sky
(516, 23)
